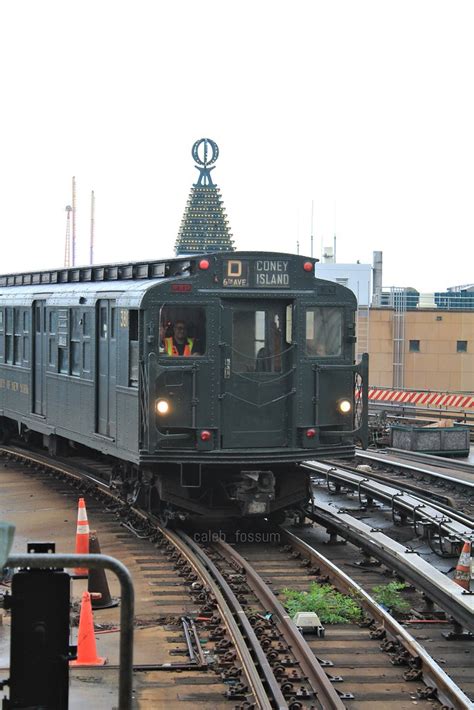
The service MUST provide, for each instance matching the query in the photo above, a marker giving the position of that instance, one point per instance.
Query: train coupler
(255, 491)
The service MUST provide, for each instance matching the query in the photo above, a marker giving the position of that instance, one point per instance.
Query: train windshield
(259, 339)
(182, 331)
(323, 331)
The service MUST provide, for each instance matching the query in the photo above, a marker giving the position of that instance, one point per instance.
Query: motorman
(179, 343)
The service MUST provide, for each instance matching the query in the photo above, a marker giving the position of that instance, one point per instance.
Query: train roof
(127, 282)
(129, 271)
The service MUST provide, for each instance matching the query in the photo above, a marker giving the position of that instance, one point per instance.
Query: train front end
(248, 369)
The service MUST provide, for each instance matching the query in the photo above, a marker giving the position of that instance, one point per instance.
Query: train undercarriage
(198, 491)
(185, 491)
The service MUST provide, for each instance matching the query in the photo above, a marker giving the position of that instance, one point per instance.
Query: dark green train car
(207, 379)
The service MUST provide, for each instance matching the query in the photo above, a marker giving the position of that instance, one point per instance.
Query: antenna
(91, 256)
(297, 246)
(67, 246)
(334, 231)
(312, 214)
(73, 261)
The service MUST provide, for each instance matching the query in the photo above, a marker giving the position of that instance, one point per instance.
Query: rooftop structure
(204, 227)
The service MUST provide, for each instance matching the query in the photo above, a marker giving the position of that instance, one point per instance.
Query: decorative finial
(201, 148)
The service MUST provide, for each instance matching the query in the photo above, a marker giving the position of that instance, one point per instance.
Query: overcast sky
(365, 108)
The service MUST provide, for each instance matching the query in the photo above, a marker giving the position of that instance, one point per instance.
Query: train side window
(26, 349)
(63, 340)
(113, 315)
(9, 335)
(182, 331)
(76, 324)
(53, 322)
(26, 339)
(17, 337)
(133, 348)
(38, 319)
(324, 331)
(86, 342)
(63, 361)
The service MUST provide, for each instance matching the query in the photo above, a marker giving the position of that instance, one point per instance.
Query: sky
(363, 109)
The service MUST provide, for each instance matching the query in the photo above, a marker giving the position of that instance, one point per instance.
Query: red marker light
(308, 266)
(205, 435)
(311, 433)
(204, 264)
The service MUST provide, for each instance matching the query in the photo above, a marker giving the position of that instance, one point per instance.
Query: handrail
(46, 561)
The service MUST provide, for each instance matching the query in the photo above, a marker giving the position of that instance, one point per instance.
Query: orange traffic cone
(97, 581)
(82, 536)
(86, 646)
(462, 573)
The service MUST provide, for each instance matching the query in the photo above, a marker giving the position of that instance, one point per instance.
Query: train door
(39, 357)
(257, 373)
(106, 368)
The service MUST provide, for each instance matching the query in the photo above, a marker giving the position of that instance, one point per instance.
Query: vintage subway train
(205, 379)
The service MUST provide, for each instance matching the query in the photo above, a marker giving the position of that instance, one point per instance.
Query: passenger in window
(263, 363)
(179, 343)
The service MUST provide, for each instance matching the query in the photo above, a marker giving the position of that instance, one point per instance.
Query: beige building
(425, 349)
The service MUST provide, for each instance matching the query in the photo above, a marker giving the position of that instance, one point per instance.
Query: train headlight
(162, 406)
(344, 406)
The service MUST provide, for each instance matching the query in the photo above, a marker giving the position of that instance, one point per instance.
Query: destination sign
(261, 273)
(236, 273)
(271, 272)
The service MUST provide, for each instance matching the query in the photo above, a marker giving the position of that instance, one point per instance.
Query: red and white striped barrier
(422, 399)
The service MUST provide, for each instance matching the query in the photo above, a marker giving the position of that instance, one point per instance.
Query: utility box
(432, 439)
(39, 649)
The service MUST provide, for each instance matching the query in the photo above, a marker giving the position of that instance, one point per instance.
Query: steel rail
(433, 674)
(60, 467)
(318, 679)
(455, 525)
(203, 568)
(427, 459)
(411, 410)
(448, 595)
(232, 609)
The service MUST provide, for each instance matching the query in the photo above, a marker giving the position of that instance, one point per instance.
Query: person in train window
(179, 343)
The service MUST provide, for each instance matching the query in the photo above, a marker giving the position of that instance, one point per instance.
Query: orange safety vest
(171, 349)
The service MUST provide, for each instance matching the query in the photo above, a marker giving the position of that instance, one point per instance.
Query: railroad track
(432, 477)
(226, 589)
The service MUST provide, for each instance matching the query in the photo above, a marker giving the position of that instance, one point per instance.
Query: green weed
(331, 606)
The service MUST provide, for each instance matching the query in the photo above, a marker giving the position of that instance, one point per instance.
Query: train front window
(324, 331)
(257, 340)
(182, 331)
